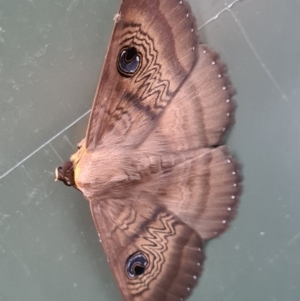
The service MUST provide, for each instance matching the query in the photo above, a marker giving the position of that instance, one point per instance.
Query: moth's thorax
(103, 172)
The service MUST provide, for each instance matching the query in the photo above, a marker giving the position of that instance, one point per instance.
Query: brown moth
(152, 166)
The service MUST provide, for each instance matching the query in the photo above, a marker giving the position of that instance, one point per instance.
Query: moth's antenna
(78, 159)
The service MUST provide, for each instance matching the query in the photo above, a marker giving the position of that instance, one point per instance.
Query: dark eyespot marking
(129, 61)
(136, 265)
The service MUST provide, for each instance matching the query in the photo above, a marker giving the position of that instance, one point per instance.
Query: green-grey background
(51, 53)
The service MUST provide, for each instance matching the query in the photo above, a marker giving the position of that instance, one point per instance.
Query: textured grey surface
(51, 53)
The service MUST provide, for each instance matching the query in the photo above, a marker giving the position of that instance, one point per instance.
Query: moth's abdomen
(202, 187)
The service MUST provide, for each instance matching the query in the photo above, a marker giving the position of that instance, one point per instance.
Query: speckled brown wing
(152, 253)
(151, 53)
(201, 112)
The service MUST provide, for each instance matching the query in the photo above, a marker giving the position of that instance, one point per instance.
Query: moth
(152, 165)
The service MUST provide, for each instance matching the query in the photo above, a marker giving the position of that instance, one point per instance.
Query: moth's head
(65, 173)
